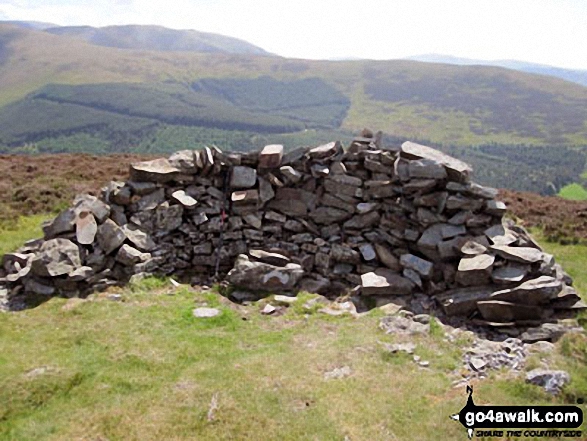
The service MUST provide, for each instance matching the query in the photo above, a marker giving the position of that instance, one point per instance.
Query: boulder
(243, 177)
(532, 292)
(184, 199)
(157, 170)
(138, 238)
(85, 228)
(129, 256)
(463, 301)
(271, 156)
(260, 276)
(475, 270)
(427, 169)
(421, 266)
(384, 282)
(325, 151)
(457, 170)
(183, 160)
(275, 259)
(518, 254)
(56, 257)
(110, 236)
(506, 312)
(552, 381)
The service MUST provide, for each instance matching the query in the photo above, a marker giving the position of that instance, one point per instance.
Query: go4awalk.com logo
(519, 421)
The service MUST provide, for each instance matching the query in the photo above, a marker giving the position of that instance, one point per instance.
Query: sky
(552, 32)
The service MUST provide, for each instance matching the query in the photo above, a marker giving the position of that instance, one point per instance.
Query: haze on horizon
(539, 31)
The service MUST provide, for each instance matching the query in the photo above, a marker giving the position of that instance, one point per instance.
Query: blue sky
(543, 31)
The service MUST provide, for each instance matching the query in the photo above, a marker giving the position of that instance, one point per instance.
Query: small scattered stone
(206, 312)
(338, 373)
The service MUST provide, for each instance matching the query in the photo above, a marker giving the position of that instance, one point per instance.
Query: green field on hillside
(573, 192)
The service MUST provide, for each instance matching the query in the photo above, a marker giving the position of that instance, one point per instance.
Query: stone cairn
(401, 224)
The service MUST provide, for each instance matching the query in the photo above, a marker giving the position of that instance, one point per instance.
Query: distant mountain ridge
(149, 37)
(38, 25)
(574, 75)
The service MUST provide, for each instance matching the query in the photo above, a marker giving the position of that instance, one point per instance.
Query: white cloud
(550, 32)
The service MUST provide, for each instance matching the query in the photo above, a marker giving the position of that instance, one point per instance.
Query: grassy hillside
(157, 38)
(575, 75)
(466, 105)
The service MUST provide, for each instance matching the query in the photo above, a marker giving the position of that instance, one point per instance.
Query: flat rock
(87, 202)
(532, 292)
(472, 248)
(271, 156)
(63, 223)
(290, 174)
(270, 258)
(368, 252)
(456, 170)
(500, 235)
(138, 238)
(427, 169)
(500, 311)
(423, 267)
(385, 282)
(205, 312)
(157, 170)
(463, 301)
(183, 160)
(243, 177)
(511, 273)
(366, 207)
(129, 256)
(184, 199)
(475, 270)
(552, 381)
(260, 276)
(245, 197)
(284, 300)
(518, 254)
(268, 309)
(325, 151)
(85, 228)
(495, 208)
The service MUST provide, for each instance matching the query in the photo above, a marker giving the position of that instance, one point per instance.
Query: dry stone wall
(383, 223)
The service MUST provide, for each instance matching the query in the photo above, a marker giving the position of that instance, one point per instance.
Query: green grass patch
(573, 192)
(573, 259)
(14, 234)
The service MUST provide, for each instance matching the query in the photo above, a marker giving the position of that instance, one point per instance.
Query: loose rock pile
(385, 223)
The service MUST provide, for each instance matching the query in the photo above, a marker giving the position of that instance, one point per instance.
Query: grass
(145, 369)
(573, 192)
(573, 259)
(14, 234)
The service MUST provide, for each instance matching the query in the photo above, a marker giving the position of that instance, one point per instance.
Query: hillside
(575, 75)
(157, 38)
(450, 104)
